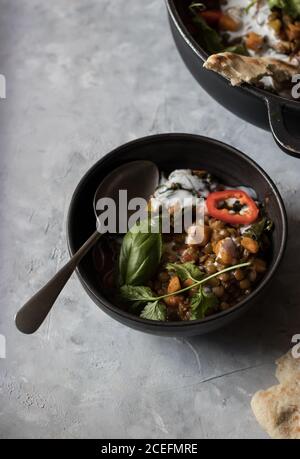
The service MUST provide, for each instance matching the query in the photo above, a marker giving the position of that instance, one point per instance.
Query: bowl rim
(203, 55)
(154, 139)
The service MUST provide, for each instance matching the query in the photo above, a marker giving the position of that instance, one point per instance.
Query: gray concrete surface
(82, 78)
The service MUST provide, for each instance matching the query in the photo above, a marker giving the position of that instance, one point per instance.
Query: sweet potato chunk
(254, 41)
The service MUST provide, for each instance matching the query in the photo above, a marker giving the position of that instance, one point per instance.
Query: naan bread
(287, 368)
(240, 69)
(278, 410)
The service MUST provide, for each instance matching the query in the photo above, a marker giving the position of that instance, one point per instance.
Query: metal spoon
(139, 178)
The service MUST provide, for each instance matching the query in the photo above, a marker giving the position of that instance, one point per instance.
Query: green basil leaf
(277, 4)
(136, 293)
(140, 255)
(208, 38)
(294, 8)
(155, 311)
(186, 271)
(291, 7)
(256, 230)
(201, 303)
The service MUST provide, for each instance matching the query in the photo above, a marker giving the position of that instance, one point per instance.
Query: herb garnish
(204, 301)
(208, 38)
(256, 230)
(155, 311)
(140, 254)
(186, 271)
(201, 303)
(290, 7)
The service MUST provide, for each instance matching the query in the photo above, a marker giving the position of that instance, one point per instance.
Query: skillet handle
(286, 141)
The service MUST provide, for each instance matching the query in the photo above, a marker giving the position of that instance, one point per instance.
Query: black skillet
(259, 107)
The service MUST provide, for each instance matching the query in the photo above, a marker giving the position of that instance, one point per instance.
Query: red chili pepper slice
(212, 17)
(249, 215)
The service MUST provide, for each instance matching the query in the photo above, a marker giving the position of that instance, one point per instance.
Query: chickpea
(232, 232)
(252, 275)
(275, 24)
(219, 266)
(187, 283)
(250, 244)
(224, 233)
(208, 248)
(226, 251)
(190, 254)
(214, 282)
(259, 265)
(239, 274)
(206, 235)
(198, 235)
(245, 284)
(184, 311)
(174, 301)
(226, 285)
(216, 236)
(211, 222)
(216, 224)
(218, 291)
(224, 277)
(210, 267)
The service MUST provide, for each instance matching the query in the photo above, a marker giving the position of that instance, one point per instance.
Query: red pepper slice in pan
(212, 17)
(214, 200)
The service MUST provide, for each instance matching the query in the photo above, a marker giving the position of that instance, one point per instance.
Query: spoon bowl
(139, 179)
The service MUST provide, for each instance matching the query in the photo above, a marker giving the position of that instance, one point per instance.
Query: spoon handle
(29, 318)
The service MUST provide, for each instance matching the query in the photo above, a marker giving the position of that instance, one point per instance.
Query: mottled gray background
(84, 76)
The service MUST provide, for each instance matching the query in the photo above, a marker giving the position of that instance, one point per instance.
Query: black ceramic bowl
(260, 107)
(171, 151)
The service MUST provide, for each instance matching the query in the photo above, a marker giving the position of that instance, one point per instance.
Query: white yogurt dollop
(186, 180)
(254, 19)
(181, 189)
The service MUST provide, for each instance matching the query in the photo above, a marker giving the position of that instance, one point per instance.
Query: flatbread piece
(277, 409)
(287, 368)
(240, 69)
